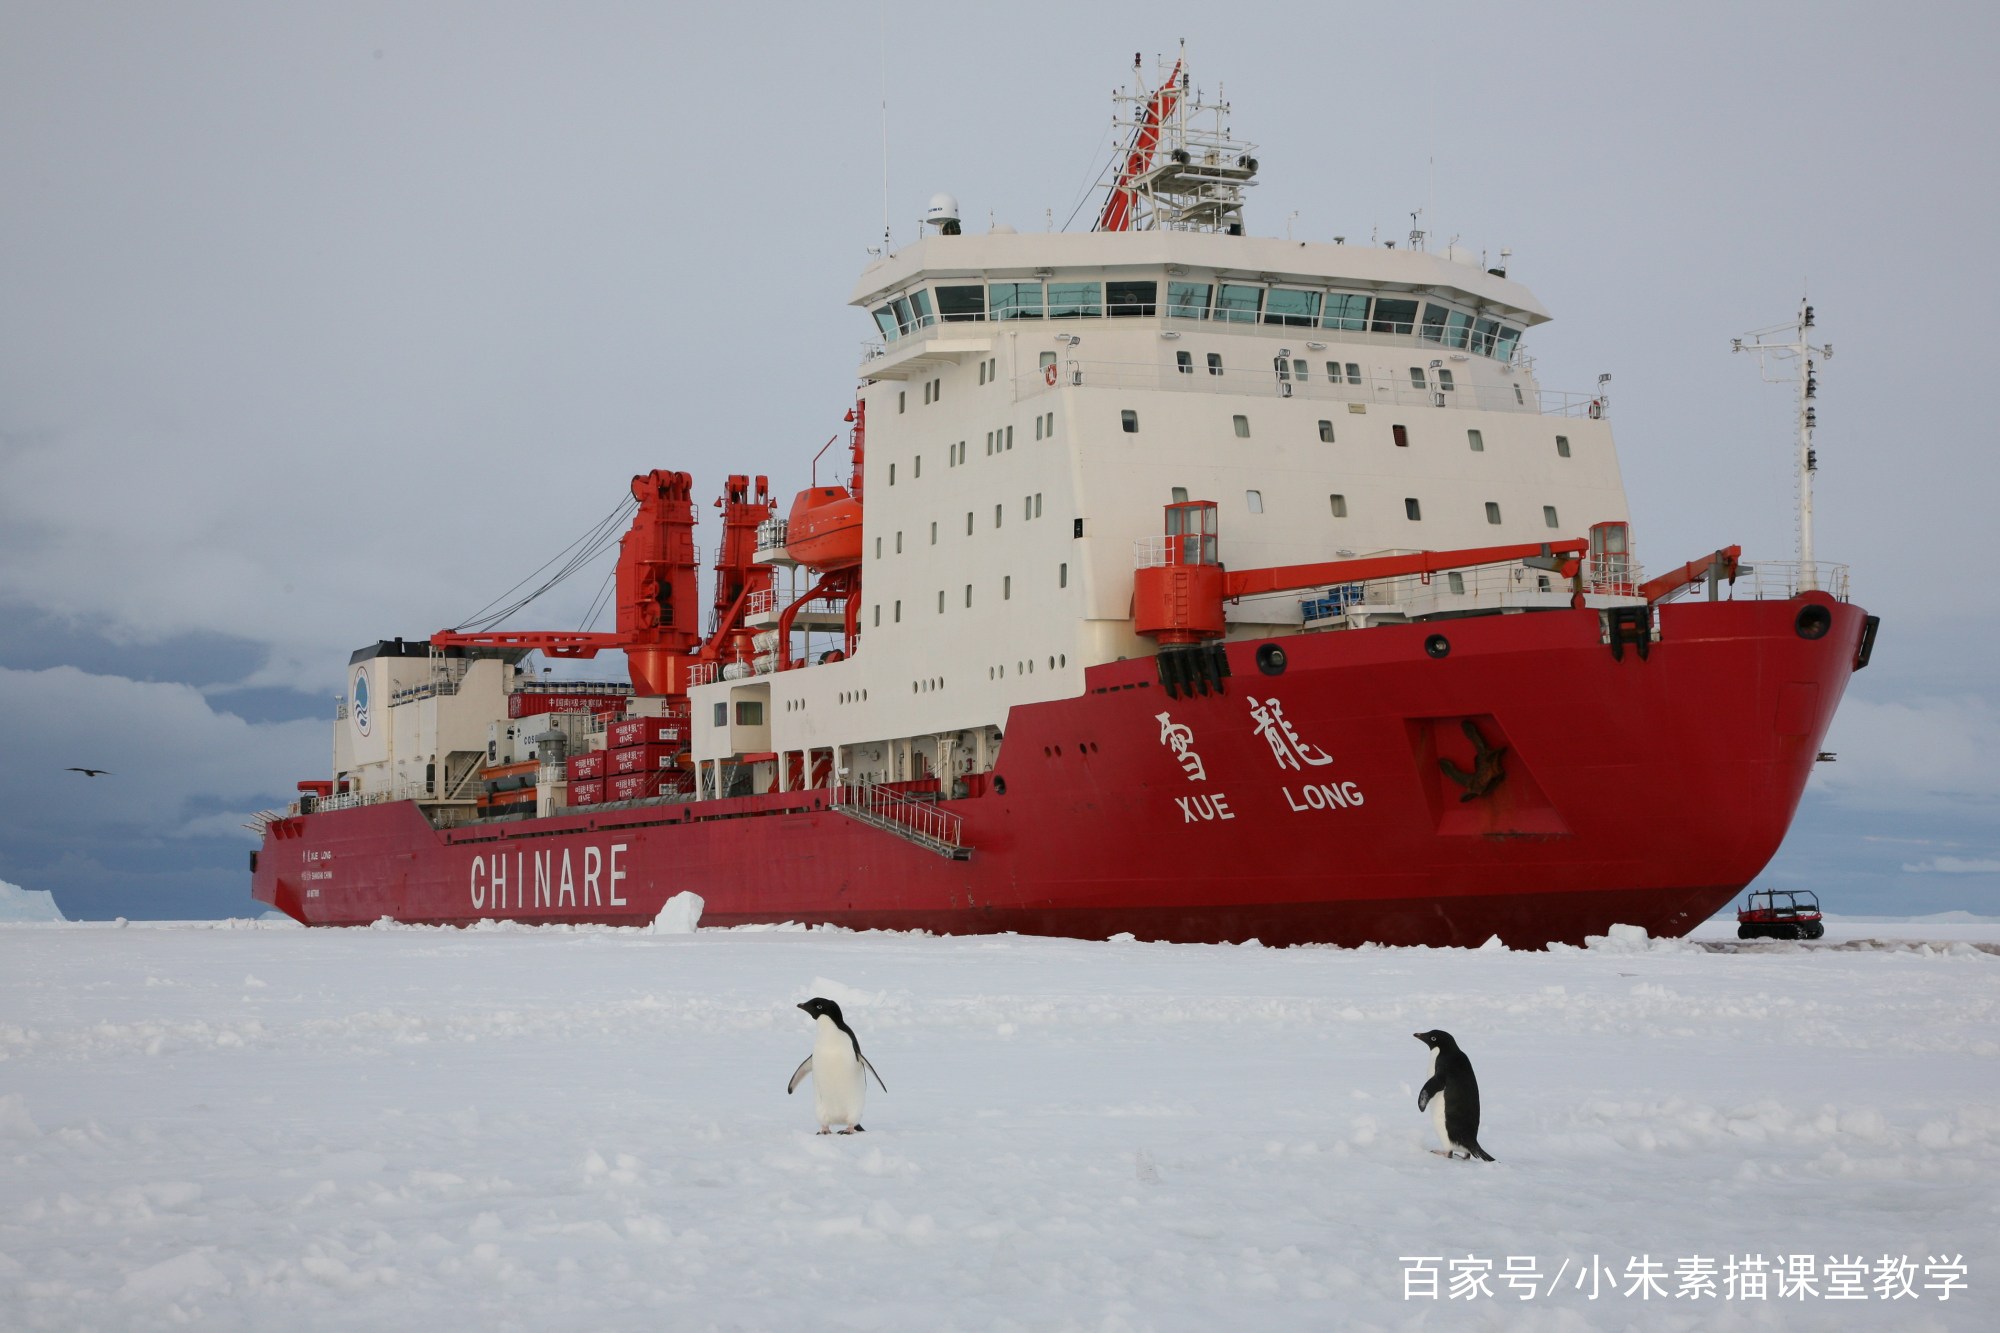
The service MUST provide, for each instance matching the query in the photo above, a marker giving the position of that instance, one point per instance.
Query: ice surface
(266, 1127)
(19, 904)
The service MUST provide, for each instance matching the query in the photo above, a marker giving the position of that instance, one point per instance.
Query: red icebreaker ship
(1191, 584)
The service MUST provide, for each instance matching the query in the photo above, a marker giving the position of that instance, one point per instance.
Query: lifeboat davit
(824, 530)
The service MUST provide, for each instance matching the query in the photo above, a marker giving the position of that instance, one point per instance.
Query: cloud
(1954, 865)
(1914, 754)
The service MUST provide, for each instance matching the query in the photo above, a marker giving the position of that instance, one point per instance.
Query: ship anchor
(1486, 772)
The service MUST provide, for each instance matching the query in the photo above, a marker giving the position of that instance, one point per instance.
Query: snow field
(269, 1127)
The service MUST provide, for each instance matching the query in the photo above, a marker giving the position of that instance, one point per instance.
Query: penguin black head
(1437, 1039)
(820, 1008)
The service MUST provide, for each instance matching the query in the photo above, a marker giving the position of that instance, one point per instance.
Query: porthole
(1437, 645)
(1813, 622)
(1271, 659)
(999, 785)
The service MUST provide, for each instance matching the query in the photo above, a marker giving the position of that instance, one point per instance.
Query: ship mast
(1176, 173)
(1805, 357)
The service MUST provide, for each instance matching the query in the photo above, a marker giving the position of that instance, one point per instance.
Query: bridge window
(1505, 342)
(1477, 441)
(1412, 510)
(1458, 329)
(920, 303)
(1549, 516)
(1125, 299)
(1238, 304)
(1339, 505)
(885, 320)
(1014, 300)
(1345, 311)
(1326, 432)
(1434, 317)
(1074, 300)
(1485, 333)
(1492, 512)
(1393, 316)
(1184, 362)
(1290, 307)
(1187, 300)
(1562, 446)
(961, 304)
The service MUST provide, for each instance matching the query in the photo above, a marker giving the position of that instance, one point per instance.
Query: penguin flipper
(878, 1078)
(1430, 1090)
(799, 1075)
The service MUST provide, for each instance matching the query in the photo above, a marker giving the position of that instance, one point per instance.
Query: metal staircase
(920, 822)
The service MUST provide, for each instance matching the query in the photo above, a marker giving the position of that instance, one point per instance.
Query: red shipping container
(586, 793)
(583, 766)
(643, 758)
(646, 731)
(632, 786)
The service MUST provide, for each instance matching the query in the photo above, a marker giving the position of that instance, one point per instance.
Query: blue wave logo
(361, 712)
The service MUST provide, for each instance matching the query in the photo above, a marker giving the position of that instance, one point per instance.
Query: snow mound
(1622, 939)
(19, 904)
(680, 915)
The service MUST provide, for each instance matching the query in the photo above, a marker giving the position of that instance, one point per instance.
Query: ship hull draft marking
(1156, 590)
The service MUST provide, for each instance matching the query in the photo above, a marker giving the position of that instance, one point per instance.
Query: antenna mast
(1805, 373)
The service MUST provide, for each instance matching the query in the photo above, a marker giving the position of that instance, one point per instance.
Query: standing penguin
(839, 1070)
(1453, 1096)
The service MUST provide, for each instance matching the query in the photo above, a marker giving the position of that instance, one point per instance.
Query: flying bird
(89, 772)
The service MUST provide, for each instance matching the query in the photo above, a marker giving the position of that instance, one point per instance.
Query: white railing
(771, 534)
(1782, 580)
(1391, 390)
(921, 820)
(702, 673)
(1180, 549)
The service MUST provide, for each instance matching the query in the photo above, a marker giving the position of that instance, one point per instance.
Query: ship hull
(1525, 783)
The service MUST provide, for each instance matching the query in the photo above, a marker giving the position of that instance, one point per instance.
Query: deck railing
(920, 821)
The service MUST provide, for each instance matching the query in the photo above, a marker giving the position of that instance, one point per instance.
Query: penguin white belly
(839, 1084)
(1437, 1110)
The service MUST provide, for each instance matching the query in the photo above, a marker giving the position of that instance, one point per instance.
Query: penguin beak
(800, 1006)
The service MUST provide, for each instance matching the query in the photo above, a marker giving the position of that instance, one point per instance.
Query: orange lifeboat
(824, 530)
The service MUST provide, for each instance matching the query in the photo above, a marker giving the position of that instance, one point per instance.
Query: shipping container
(583, 766)
(586, 793)
(644, 758)
(647, 730)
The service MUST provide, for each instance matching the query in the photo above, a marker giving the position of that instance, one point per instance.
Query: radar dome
(943, 214)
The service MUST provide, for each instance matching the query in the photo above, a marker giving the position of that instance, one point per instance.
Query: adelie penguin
(1453, 1096)
(839, 1070)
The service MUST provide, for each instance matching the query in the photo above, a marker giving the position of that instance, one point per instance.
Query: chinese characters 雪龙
(1291, 752)
(1200, 807)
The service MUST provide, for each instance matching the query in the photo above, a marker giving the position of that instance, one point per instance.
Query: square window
(1339, 504)
(961, 304)
(1129, 420)
(1353, 372)
(1444, 379)
(1184, 362)
(1475, 441)
(1215, 363)
(1492, 512)
(1412, 510)
(1402, 434)
(1393, 316)
(1562, 446)
(1417, 378)
(1344, 311)
(1255, 500)
(1130, 297)
(1014, 300)
(1187, 300)
(1333, 372)
(1455, 581)
(1549, 516)
(1300, 371)
(1326, 432)
(1238, 303)
(722, 715)
(1242, 425)
(1288, 306)
(1180, 494)
(749, 713)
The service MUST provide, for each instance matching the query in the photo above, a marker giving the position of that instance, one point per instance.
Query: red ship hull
(1647, 791)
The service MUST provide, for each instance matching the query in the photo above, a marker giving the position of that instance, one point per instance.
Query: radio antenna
(883, 51)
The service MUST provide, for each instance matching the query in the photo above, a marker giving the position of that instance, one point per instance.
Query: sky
(327, 323)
